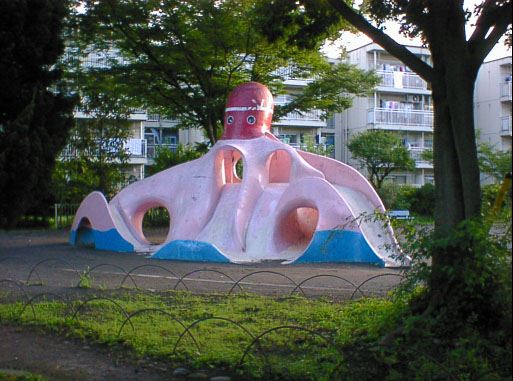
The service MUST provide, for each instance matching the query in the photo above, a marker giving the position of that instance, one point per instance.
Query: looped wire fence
(186, 280)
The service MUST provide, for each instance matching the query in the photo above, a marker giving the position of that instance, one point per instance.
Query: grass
(13, 375)
(291, 354)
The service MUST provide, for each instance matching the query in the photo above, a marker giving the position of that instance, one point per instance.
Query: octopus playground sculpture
(289, 205)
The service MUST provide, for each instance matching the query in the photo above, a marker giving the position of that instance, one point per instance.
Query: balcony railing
(136, 147)
(401, 80)
(419, 155)
(506, 125)
(314, 115)
(400, 117)
(506, 91)
(288, 74)
(153, 148)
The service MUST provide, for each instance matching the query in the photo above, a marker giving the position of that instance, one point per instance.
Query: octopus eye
(251, 119)
(229, 120)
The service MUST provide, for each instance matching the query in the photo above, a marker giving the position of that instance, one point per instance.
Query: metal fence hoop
(320, 276)
(95, 298)
(14, 258)
(60, 260)
(181, 279)
(262, 272)
(37, 296)
(160, 310)
(18, 284)
(129, 273)
(193, 324)
(89, 271)
(372, 278)
(282, 327)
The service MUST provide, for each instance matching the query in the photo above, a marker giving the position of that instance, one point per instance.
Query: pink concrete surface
(271, 213)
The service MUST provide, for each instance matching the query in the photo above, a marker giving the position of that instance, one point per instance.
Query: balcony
(136, 148)
(304, 119)
(156, 121)
(290, 78)
(417, 154)
(153, 148)
(401, 80)
(400, 119)
(506, 91)
(505, 125)
(132, 114)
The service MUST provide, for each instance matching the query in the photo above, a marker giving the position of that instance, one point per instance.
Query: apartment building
(401, 103)
(492, 103)
(149, 132)
(297, 128)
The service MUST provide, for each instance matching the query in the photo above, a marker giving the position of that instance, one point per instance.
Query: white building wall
(400, 103)
(492, 103)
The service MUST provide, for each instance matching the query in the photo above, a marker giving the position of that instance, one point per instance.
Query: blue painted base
(109, 240)
(186, 250)
(328, 246)
(339, 246)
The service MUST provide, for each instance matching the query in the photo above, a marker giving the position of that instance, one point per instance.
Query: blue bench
(400, 214)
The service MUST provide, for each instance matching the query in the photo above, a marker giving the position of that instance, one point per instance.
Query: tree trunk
(455, 153)
(455, 163)
(211, 132)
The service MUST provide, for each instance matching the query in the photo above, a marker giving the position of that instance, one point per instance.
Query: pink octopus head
(249, 112)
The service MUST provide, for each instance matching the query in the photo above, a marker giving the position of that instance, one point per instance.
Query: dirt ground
(58, 358)
(43, 261)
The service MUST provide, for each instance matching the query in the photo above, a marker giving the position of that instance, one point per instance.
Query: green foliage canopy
(455, 60)
(381, 153)
(94, 158)
(493, 162)
(166, 158)
(35, 116)
(182, 58)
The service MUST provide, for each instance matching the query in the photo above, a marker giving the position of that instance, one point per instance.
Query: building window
(400, 179)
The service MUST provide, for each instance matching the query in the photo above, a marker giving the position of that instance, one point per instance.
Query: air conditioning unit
(412, 98)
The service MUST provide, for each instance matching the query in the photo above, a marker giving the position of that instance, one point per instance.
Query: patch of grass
(85, 280)
(290, 353)
(16, 375)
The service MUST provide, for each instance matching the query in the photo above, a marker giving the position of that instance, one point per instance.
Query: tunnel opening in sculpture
(156, 224)
(85, 233)
(296, 229)
(230, 163)
(279, 166)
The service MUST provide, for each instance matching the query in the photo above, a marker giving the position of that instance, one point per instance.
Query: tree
(455, 62)
(467, 298)
(35, 116)
(166, 158)
(494, 163)
(96, 153)
(381, 153)
(182, 58)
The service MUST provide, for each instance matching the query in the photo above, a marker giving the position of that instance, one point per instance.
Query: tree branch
(382, 39)
(489, 14)
(483, 40)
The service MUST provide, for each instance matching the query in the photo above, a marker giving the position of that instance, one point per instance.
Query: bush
(396, 197)
(419, 201)
(489, 194)
(422, 201)
(166, 158)
(460, 331)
